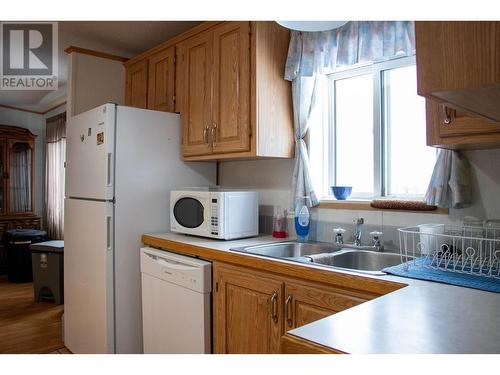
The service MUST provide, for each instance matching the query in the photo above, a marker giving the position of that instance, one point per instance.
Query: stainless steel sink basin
(326, 254)
(287, 249)
(358, 260)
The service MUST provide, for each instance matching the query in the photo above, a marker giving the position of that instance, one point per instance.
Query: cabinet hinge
(175, 59)
(216, 286)
(173, 98)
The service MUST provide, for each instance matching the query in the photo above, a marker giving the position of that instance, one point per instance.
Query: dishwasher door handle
(171, 264)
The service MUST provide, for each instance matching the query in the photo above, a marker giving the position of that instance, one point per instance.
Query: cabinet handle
(205, 134)
(214, 134)
(446, 115)
(288, 311)
(274, 306)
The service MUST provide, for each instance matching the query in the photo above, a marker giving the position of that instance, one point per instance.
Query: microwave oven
(221, 214)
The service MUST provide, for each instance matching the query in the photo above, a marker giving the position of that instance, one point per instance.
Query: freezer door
(88, 277)
(90, 154)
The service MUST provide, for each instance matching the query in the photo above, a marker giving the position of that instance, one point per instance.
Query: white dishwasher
(175, 303)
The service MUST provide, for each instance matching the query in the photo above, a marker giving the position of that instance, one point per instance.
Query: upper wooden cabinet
(452, 129)
(150, 82)
(226, 81)
(214, 67)
(136, 84)
(242, 106)
(161, 83)
(457, 68)
(231, 88)
(194, 85)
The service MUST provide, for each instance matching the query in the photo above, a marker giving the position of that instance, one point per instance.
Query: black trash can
(48, 271)
(17, 243)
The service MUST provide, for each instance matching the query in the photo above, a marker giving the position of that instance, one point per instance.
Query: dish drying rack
(473, 250)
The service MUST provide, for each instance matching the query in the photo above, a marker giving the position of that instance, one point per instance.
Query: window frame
(380, 125)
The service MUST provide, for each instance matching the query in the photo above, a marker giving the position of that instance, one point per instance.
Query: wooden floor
(26, 326)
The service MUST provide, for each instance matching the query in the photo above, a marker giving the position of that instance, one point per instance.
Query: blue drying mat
(415, 270)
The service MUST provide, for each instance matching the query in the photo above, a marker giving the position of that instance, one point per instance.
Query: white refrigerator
(121, 164)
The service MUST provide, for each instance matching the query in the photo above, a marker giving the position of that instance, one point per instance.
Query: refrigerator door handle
(108, 233)
(109, 165)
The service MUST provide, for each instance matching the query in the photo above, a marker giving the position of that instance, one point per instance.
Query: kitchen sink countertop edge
(413, 316)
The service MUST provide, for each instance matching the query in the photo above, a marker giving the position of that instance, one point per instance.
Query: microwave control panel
(214, 216)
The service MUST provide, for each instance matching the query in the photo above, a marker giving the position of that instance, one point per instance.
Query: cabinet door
(247, 311)
(195, 57)
(231, 88)
(457, 63)
(449, 128)
(162, 80)
(456, 55)
(308, 302)
(136, 84)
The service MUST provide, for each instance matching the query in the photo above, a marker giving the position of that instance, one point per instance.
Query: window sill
(364, 205)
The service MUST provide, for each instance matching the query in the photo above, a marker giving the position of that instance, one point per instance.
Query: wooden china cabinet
(17, 160)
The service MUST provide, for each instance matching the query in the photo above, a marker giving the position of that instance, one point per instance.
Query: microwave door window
(188, 212)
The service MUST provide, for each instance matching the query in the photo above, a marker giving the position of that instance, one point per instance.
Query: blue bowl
(341, 192)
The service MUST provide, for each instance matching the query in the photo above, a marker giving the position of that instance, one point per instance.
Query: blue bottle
(302, 221)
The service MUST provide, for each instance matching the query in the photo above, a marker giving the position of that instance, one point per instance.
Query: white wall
(93, 81)
(272, 178)
(36, 124)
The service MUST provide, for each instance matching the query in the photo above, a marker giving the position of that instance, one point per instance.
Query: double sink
(326, 254)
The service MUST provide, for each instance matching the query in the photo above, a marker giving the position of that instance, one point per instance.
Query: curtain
(356, 42)
(304, 94)
(20, 178)
(312, 55)
(54, 175)
(450, 184)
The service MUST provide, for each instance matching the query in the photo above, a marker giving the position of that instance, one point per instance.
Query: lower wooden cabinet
(248, 311)
(295, 345)
(307, 302)
(253, 309)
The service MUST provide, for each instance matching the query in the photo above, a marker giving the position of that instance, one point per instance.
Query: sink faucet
(359, 231)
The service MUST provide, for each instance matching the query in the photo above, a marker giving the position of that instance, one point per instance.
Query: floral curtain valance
(355, 42)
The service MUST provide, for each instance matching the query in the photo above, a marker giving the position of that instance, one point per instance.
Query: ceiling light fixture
(312, 25)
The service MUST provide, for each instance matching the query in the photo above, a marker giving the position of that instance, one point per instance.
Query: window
(373, 134)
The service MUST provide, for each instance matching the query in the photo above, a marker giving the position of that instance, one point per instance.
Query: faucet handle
(339, 235)
(376, 239)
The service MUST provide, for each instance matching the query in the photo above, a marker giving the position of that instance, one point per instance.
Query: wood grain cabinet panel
(231, 91)
(161, 83)
(457, 71)
(247, 311)
(253, 309)
(308, 302)
(250, 111)
(136, 84)
(226, 79)
(195, 56)
(451, 129)
(457, 55)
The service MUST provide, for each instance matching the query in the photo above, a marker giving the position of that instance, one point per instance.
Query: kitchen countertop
(421, 317)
